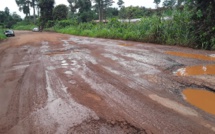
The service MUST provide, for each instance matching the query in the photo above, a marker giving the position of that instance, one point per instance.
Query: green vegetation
(24, 27)
(204, 23)
(25, 5)
(46, 9)
(60, 12)
(7, 20)
(2, 36)
(149, 29)
(178, 22)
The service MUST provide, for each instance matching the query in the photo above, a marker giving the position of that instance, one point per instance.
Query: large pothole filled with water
(193, 56)
(196, 70)
(202, 99)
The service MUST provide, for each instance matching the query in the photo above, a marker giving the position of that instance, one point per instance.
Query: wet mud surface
(56, 83)
(201, 98)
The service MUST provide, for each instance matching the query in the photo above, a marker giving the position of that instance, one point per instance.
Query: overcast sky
(11, 4)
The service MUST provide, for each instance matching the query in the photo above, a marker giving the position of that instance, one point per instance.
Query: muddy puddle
(201, 98)
(196, 70)
(194, 56)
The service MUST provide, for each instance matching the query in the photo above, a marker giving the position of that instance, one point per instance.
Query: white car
(36, 29)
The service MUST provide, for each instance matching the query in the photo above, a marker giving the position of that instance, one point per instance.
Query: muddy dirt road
(55, 83)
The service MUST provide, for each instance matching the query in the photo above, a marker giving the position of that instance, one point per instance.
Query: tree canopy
(157, 2)
(25, 6)
(60, 12)
(7, 19)
(46, 9)
(120, 3)
(204, 20)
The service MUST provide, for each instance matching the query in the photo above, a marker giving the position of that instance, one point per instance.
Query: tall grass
(2, 36)
(24, 26)
(154, 29)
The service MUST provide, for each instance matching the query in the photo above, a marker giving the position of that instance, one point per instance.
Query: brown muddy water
(201, 98)
(194, 56)
(196, 70)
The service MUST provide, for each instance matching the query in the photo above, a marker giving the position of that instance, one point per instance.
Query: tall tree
(24, 5)
(203, 22)
(102, 5)
(179, 2)
(16, 17)
(169, 3)
(72, 5)
(84, 10)
(122, 13)
(46, 9)
(99, 5)
(7, 11)
(157, 2)
(112, 12)
(7, 19)
(120, 3)
(60, 12)
(34, 5)
(7, 14)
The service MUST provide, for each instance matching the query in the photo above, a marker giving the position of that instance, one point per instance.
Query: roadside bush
(154, 29)
(2, 36)
(23, 25)
(66, 23)
(177, 29)
(203, 17)
(50, 24)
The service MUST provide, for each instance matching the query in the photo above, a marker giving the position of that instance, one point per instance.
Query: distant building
(97, 21)
(131, 20)
(121, 20)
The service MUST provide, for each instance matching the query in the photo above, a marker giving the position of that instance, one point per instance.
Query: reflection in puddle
(196, 70)
(194, 56)
(201, 98)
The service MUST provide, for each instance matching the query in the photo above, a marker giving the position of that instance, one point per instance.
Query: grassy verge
(2, 36)
(152, 29)
(176, 30)
(24, 27)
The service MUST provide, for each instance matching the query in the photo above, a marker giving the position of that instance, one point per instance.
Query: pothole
(196, 70)
(103, 127)
(194, 56)
(202, 99)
